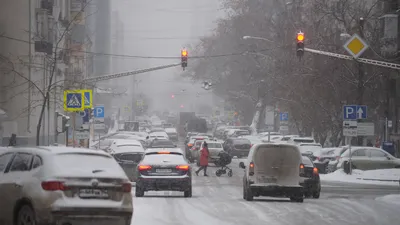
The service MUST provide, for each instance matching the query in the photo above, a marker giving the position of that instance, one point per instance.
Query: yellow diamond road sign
(355, 46)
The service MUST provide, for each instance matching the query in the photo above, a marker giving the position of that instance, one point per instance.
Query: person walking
(204, 153)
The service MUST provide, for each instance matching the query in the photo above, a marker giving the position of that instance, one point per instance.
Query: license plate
(93, 193)
(163, 170)
(267, 179)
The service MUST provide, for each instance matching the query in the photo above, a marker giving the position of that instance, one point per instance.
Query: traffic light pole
(118, 75)
(361, 60)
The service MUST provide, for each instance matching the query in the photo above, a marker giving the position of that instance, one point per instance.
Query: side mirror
(241, 165)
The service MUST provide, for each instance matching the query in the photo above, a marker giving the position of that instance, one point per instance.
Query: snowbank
(382, 177)
(392, 199)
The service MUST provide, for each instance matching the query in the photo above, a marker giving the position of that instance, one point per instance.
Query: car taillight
(54, 186)
(251, 169)
(127, 187)
(190, 145)
(144, 167)
(315, 171)
(164, 153)
(301, 168)
(183, 167)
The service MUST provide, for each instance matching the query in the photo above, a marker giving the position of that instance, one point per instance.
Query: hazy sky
(162, 28)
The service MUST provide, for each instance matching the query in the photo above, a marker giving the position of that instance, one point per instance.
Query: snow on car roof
(153, 150)
(55, 150)
(127, 148)
(164, 158)
(158, 133)
(170, 130)
(127, 142)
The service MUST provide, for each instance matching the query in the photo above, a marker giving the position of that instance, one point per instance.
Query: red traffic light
(182, 106)
(300, 37)
(172, 96)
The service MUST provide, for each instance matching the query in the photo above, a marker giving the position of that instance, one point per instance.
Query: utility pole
(361, 74)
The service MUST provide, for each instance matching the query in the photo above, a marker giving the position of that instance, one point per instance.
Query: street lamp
(256, 38)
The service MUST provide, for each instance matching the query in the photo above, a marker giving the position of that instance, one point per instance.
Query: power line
(161, 57)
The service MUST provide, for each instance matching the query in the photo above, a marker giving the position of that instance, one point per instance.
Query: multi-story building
(43, 44)
(29, 37)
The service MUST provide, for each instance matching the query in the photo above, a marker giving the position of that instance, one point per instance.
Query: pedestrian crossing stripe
(73, 100)
(88, 98)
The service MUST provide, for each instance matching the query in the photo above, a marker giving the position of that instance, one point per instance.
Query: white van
(273, 169)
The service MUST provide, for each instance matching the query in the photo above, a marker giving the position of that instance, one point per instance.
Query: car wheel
(249, 194)
(139, 192)
(297, 199)
(26, 216)
(188, 193)
(316, 194)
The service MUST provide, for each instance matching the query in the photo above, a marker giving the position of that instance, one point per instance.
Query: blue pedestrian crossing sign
(73, 100)
(88, 98)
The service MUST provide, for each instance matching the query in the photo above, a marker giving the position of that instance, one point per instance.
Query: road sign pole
(73, 128)
(350, 163)
(386, 129)
(55, 128)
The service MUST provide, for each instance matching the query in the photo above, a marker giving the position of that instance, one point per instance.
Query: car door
(5, 160)
(13, 182)
(129, 161)
(360, 159)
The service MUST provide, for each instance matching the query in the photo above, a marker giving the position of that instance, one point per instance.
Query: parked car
(172, 134)
(273, 169)
(368, 158)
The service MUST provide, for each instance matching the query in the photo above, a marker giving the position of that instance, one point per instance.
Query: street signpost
(98, 120)
(82, 135)
(355, 46)
(85, 115)
(354, 112)
(365, 129)
(73, 101)
(88, 98)
(350, 128)
(284, 116)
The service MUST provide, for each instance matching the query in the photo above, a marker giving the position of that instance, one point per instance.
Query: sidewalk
(387, 177)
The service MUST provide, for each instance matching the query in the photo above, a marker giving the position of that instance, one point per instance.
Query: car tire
(139, 192)
(297, 199)
(188, 193)
(316, 194)
(248, 194)
(26, 215)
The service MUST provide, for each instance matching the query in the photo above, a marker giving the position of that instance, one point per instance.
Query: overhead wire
(161, 57)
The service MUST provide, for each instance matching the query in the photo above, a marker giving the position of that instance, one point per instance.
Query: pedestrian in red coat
(204, 153)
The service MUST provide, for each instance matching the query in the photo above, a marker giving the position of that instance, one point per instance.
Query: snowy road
(218, 200)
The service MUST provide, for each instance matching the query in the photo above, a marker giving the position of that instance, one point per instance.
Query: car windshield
(307, 161)
(214, 145)
(241, 141)
(162, 158)
(132, 157)
(83, 164)
(162, 144)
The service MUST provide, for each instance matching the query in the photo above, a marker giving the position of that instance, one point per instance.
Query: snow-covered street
(218, 200)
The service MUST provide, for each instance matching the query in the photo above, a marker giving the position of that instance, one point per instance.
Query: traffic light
(184, 58)
(172, 96)
(65, 124)
(300, 44)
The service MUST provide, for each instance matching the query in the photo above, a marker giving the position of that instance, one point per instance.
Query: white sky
(162, 28)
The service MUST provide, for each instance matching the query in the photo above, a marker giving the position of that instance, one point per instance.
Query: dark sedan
(164, 171)
(310, 178)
